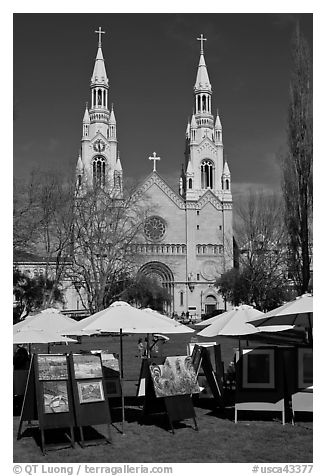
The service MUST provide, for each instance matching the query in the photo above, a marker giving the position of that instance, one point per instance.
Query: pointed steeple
(99, 76)
(226, 170)
(118, 166)
(79, 166)
(202, 80)
(218, 124)
(86, 118)
(112, 116)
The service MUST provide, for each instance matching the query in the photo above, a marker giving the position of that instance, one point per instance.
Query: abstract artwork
(52, 367)
(55, 396)
(90, 392)
(175, 377)
(87, 366)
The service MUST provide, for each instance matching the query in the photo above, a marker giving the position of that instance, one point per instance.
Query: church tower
(205, 164)
(99, 163)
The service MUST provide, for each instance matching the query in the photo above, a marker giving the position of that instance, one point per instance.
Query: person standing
(140, 348)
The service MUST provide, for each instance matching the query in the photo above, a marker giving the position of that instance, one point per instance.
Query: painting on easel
(175, 377)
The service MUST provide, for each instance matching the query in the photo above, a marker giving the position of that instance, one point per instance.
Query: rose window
(154, 228)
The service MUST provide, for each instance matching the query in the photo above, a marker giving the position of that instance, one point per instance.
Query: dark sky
(151, 61)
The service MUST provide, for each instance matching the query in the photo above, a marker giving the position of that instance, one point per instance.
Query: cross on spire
(154, 159)
(100, 32)
(202, 39)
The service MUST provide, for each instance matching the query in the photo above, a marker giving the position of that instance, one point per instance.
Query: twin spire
(99, 76)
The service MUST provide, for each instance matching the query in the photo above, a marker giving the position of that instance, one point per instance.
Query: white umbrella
(233, 322)
(120, 318)
(36, 336)
(295, 313)
(208, 322)
(50, 319)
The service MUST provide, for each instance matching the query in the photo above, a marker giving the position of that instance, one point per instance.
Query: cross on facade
(154, 159)
(100, 32)
(202, 39)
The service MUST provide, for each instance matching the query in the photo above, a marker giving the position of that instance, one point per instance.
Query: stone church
(187, 239)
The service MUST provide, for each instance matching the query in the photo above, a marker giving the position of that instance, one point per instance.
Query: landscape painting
(176, 376)
(55, 396)
(52, 367)
(90, 392)
(87, 366)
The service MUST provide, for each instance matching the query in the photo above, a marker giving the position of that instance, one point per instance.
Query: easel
(34, 409)
(201, 360)
(176, 407)
(92, 413)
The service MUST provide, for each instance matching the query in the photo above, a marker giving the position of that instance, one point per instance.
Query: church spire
(203, 95)
(202, 80)
(99, 79)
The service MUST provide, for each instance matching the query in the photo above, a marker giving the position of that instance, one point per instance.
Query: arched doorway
(210, 303)
(163, 274)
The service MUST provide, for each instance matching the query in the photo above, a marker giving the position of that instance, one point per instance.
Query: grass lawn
(255, 438)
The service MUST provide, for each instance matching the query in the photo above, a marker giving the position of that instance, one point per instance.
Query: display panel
(305, 367)
(258, 368)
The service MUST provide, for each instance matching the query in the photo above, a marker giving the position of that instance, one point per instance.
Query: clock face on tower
(99, 145)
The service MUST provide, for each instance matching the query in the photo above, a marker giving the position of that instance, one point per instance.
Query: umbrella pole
(121, 382)
(148, 349)
(310, 328)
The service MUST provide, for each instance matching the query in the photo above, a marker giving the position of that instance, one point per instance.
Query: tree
(103, 258)
(144, 291)
(30, 294)
(297, 165)
(43, 214)
(261, 279)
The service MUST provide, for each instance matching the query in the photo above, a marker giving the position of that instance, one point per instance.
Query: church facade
(187, 240)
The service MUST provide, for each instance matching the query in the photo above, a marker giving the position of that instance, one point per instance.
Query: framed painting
(87, 366)
(176, 376)
(305, 367)
(90, 392)
(258, 369)
(55, 397)
(52, 367)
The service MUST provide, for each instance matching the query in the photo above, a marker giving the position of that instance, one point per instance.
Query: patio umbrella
(120, 317)
(208, 322)
(238, 322)
(294, 313)
(233, 322)
(37, 336)
(50, 319)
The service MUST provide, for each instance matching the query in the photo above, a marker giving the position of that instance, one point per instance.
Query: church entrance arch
(163, 274)
(210, 303)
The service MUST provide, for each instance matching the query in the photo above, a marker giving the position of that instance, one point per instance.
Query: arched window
(99, 171)
(79, 181)
(190, 183)
(99, 97)
(227, 184)
(206, 174)
(204, 103)
(198, 103)
(181, 298)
